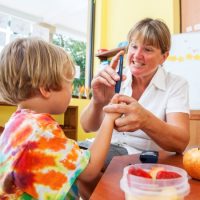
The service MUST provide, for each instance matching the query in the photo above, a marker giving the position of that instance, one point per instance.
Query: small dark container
(149, 157)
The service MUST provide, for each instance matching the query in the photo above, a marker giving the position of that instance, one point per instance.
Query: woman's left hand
(133, 115)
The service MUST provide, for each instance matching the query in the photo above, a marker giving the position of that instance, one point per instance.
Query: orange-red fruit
(167, 175)
(138, 172)
(191, 162)
(154, 173)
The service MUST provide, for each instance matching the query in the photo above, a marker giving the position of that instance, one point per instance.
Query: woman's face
(143, 59)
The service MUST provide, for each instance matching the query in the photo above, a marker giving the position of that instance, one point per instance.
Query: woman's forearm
(172, 135)
(92, 116)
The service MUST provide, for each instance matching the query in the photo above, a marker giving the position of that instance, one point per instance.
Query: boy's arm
(92, 116)
(100, 146)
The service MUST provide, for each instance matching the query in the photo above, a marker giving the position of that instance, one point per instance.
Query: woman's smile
(137, 64)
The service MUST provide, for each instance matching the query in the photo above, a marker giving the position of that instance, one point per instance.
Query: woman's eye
(133, 46)
(148, 49)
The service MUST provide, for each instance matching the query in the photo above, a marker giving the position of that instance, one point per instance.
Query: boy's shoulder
(30, 114)
(28, 118)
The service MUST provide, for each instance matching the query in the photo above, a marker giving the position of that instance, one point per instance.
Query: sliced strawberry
(167, 175)
(138, 172)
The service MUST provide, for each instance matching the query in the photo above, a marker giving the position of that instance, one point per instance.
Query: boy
(37, 161)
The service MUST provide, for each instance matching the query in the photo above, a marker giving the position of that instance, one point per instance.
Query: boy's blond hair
(26, 64)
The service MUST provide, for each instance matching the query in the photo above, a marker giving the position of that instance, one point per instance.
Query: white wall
(184, 60)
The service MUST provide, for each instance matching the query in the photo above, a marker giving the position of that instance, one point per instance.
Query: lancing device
(118, 83)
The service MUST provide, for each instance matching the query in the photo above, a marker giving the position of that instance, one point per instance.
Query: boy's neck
(36, 104)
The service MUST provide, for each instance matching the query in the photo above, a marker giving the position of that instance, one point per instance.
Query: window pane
(64, 23)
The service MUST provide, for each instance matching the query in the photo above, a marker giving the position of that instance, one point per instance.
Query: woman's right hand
(103, 88)
(103, 84)
(134, 116)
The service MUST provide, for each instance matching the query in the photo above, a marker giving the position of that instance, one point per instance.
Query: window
(12, 27)
(63, 22)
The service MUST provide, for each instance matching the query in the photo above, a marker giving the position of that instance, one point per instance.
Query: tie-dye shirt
(37, 161)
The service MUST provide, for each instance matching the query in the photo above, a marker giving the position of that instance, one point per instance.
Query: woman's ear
(44, 92)
(164, 57)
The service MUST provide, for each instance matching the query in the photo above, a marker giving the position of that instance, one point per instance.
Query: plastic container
(139, 188)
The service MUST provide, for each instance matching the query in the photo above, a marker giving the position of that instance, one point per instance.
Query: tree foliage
(77, 49)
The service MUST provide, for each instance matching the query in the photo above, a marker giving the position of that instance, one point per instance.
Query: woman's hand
(175, 130)
(103, 84)
(133, 115)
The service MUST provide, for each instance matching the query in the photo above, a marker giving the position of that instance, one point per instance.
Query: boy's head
(27, 64)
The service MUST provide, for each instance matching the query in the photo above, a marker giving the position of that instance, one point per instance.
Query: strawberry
(167, 175)
(138, 172)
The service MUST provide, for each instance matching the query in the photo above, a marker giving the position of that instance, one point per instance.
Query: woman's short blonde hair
(26, 64)
(151, 32)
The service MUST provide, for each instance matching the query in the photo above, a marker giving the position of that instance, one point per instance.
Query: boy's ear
(45, 93)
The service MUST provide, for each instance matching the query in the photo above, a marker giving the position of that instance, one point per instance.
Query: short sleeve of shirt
(46, 162)
(179, 97)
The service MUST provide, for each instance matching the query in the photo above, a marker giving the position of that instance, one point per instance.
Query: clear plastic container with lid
(140, 188)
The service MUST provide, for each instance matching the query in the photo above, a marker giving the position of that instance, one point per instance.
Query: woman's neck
(139, 85)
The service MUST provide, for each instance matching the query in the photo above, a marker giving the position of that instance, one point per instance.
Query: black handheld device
(149, 157)
(118, 84)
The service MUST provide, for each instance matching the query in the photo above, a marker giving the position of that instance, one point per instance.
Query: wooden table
(108, 187)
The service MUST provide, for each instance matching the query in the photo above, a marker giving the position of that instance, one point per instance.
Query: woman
(155, 108)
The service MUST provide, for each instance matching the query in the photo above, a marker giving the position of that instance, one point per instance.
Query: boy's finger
(115, 99)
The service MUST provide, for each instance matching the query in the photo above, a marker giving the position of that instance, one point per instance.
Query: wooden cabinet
(194, 128)
(190, 18)
(1, 129)
(71, 122)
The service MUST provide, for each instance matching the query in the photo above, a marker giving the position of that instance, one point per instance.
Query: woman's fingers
(110, 75)
(119, 108)
(122, 105)
(125, 128)
(115, 60)
(107, 76)
(126, 99)
(100, 80)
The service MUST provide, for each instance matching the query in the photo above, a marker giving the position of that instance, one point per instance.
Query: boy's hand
(114, 100)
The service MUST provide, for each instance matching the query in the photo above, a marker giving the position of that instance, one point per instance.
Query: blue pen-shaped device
(118, 84)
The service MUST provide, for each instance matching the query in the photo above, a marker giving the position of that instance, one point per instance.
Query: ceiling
(66, 15)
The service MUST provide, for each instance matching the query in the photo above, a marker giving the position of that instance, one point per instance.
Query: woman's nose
(138, 52)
